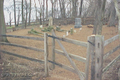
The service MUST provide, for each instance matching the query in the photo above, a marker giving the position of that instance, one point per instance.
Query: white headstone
(67, 33)
(75, 31)
(63, 35)
(41, 26)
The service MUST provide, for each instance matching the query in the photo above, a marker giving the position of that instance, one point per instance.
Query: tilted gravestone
(50, 21)
(77, 23)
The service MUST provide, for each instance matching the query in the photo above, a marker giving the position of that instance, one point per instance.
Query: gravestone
(50, 21)
(77, 23)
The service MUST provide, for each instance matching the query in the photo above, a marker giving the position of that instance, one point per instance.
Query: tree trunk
(26, 14)
(18, 18)
(2, 22)
(40, 19)
(74, 12)
(81, 8)
(52, 9)
(63, 9)
(117, 8)
(10, 18)
(36, 11)
(111, 21)
(46, 9)
(43, 11)
(99, 16)
(14, 13)
(22, 15)
(29, 13)
(60, 8)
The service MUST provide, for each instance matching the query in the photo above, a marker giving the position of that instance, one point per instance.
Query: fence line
(26, 47)
(81, 43)
(79, 58)
(99, 50)
(24, 37)
(46, 54)
(110, 52)
(70, 60)
(46, 51)
(108, 41)
(98, 56)
(65, 67)
(90, 52)
(110, 64)
(95, 43)
(21, 56)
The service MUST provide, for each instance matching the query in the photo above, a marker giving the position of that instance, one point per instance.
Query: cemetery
(79, 34)
(60, 40)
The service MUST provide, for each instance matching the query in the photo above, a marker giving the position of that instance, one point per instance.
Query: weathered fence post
(90, 50)
(99, 49)
(46, 53)
(53, 50)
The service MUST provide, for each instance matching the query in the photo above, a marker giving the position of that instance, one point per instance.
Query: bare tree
(100, 7)
(46, 9)
(18, 17)
(35, 10)
(118, 12)
(43, 10)
(29, 13)
(26, 13)
(81, 8)
(14, 12)
(2, 22)
(112, 15)
(22, 14)
(62, 8)
(40, 12)
(74, 5)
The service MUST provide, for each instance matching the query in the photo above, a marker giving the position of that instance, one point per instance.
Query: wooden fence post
(90, 51)
(53, 51)
(99, 49)
(46, 53)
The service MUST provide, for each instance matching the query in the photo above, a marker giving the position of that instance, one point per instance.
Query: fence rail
(110, 64)
(81, 43)
(21, 56)
(26, 47)
(24, 37)
(95, 43)
(108, 41)
(79, 58)
(110, 52)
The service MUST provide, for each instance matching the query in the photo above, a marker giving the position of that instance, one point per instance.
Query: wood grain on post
(53, 51)
(99, 49)
(90, 50)
(46, 53)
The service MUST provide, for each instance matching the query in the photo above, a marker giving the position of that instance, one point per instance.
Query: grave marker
(77, 23)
